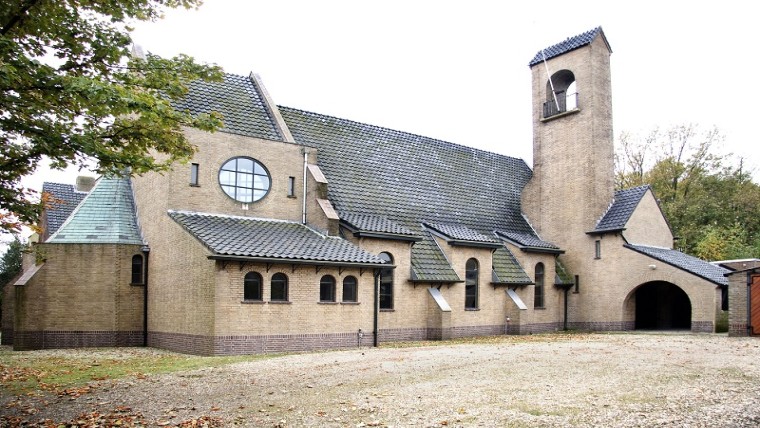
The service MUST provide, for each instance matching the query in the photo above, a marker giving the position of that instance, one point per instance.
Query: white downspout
(305, 167)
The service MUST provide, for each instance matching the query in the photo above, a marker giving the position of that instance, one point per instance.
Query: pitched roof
(623, 205)
(507, 270)
(561, 275)
(429, 263)
(245, 237)
(569, 44)
(684, 262)
(65, 199)
(410, 179)
(239, 102)
(106, 216)
(377, 224)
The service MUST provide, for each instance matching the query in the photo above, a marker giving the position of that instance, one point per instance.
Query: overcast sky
(458, 71)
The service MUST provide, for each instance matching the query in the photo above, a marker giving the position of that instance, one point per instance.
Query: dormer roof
(623, 205)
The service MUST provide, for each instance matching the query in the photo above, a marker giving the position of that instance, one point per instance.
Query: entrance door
(755, 305)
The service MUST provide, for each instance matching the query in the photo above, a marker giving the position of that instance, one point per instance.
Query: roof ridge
(438, 140)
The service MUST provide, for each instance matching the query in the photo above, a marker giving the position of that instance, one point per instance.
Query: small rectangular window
(194, 174)
(291, 186)
(597, 249)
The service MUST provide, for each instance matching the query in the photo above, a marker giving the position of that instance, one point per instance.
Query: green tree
(70, 91)
(10, 263)
(709, 199)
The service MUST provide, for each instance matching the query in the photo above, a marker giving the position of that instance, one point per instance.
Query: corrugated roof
(239, 102)
(623, 205)
(236, 236)
(65, 199)
(429, 264)
(507, 270)
(569, 44)
(105, 216)
(410, 179)
(684, 262)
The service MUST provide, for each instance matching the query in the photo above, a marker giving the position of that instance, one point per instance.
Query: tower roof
(569, 44)
(106, 216)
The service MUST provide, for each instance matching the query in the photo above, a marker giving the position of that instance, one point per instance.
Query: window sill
(252, 302)
(472, 309)
(195, 185)
(349, 303)
(280, 302)
(562, 114)
(387, 310)
(541, 308)
(137, 284)
(327, 303)
(292, 196)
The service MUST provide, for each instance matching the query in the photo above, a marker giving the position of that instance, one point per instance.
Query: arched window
(138, 276)
(279, 288)
(538, 300)
(386, 282)
(327, 289)
(562, 84)
(252, 286)
(471, 284)
(350, 289)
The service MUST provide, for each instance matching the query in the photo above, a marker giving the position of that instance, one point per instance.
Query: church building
(292, 231)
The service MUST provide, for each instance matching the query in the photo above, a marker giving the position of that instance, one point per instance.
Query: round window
(244, 179)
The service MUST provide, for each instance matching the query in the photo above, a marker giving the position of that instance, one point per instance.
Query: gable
(647, 224)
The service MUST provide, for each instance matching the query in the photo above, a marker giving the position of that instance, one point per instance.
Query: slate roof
(106, 216)
(623, 205)
(569, 44)
(507, 270)
(65, 199)
(246, 237)
(684, 262)
(429, 264)
(410, 179)
(239, 102)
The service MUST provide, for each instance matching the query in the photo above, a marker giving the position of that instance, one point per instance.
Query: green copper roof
(506, 269)
(106, 216)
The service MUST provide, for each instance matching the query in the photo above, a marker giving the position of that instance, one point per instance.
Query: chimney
(85, 183)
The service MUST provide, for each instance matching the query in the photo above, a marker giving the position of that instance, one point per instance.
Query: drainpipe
(749, 304)
(305, 166)
(564, 327)
(146, 252)
(377, 308)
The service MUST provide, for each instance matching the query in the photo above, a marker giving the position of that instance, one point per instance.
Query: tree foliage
(10, 262)
(70, 91)
(709, 198)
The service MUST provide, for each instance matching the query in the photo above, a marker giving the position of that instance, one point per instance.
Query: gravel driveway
(696, 380)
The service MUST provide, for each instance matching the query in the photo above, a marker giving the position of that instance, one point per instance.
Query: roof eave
(542, 250)
(384, 235)
(298, 261)
(477, 244)
(605, 231)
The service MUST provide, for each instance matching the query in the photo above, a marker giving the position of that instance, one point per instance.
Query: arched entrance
(661, 305)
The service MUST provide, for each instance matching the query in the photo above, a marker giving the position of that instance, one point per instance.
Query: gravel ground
(583, 380)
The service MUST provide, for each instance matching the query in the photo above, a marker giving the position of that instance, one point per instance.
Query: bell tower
(573, 155)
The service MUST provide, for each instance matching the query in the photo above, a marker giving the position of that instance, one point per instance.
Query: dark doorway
(662, 306)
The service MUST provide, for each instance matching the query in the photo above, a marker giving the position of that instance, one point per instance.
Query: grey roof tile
(375, 223)
(527, 240)
(684, 262)
(106, 216)
(239, 102)
(269, 239)
(569, 44)
(622, 207)
(507, 270)
(65, 198)
(410, 179)
(429, 264)
(461, 233)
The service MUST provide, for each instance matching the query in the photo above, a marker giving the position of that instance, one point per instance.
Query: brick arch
(659, 305)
